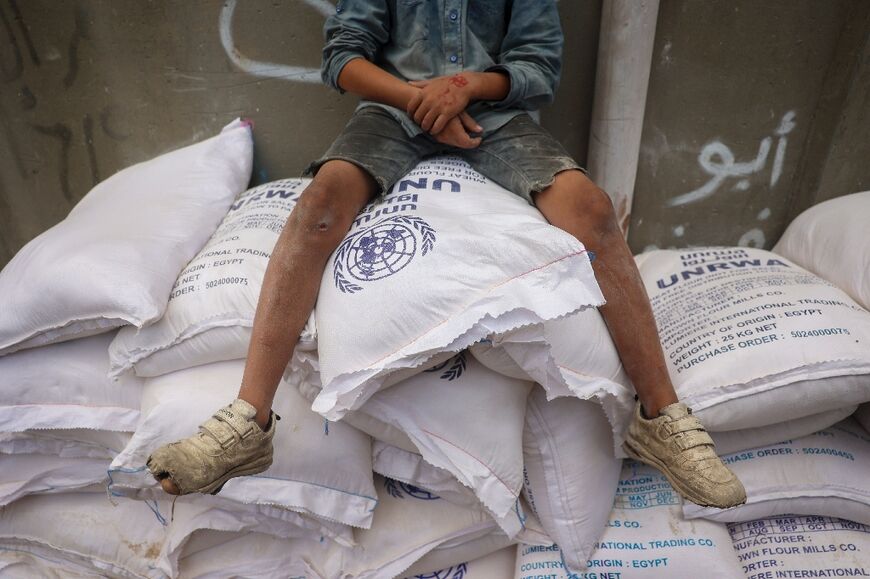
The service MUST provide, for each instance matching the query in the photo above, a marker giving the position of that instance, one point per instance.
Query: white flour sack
(830, 240)
(83, 533)
(410, 468)
(646, 538)
(212, 304)
(113, 260)
(30, 474)
(64, 386)
(822, 474)
(219, 554)
(571, 474)
(729, 441)
(572, 356)
(440, 412)
(498, 565)
(319, 471)
(200, 523)
(444, 259)
(411, 524)
(794, 547)
(72, 443)
(752, 339)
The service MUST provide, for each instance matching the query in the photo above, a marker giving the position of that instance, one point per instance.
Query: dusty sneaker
(676, 443)
(228, 444)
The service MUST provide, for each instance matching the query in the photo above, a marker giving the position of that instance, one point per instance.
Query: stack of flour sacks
(126, 326)
(454, 394)
(772, 350)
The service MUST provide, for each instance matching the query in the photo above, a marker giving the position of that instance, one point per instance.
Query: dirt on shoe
(229, 444)
(676, 443)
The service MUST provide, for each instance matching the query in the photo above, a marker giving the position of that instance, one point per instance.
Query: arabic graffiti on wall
(727, 174)
(717, 160)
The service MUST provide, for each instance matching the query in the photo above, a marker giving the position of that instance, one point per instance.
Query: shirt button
(453, 58)
(454, 15)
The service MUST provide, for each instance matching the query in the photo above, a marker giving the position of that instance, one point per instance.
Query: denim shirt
(422, 39)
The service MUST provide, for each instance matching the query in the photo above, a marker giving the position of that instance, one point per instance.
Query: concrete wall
(755, 111)
(88, 87)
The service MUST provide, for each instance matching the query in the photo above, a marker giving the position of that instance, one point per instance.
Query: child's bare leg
(668, 437)
(575, 204)
(321, 219)
(318, 223)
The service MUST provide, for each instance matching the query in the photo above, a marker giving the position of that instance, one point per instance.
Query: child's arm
(371, 82)
(355, 35)
(531, 55)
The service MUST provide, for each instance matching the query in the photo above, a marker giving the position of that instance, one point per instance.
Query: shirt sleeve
(358, 29)
(531, 55)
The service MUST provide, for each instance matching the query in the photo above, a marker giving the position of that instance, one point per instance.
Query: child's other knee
(575, 197)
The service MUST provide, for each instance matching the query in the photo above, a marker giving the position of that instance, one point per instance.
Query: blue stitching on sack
(127, 470)
(316, 485)
(156, 510)
(522, 518)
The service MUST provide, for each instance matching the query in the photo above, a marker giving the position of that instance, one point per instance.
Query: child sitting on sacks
(446, 76)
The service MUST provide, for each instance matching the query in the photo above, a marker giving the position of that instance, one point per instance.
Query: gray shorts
(520, 156)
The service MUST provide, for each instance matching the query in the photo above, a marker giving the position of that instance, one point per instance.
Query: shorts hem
(314, 167)
(566, 165)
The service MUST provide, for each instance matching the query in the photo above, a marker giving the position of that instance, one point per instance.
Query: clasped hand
(439, 108)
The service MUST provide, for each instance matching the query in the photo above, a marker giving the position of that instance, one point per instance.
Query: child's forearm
(488, 86)
(371, 82)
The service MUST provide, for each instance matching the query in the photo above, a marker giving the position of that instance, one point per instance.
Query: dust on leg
(576, 205)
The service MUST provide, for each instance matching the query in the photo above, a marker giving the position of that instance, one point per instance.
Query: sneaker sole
(215, 486)
(243, 470)
(651, 460)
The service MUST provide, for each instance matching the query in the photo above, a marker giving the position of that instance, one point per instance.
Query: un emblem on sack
(380, 250)
(399, 489)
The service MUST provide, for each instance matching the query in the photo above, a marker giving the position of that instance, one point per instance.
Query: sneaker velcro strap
(685, 425)
(693, 439)
(217, 430)
(238, 423)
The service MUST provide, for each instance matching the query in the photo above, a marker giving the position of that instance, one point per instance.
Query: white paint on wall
(322, 6)
(764, 214)
(666, 58)
(717, 160)
(752, 238)
(261, 68)
(679, 231)
(786, 125)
